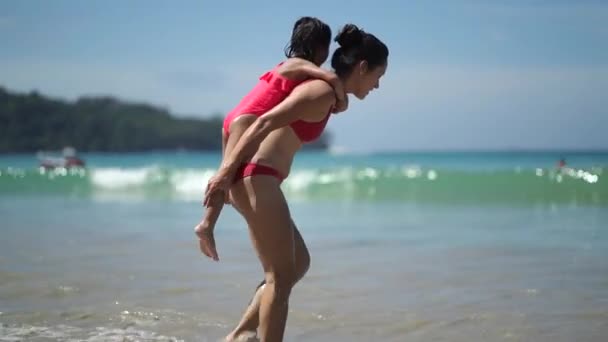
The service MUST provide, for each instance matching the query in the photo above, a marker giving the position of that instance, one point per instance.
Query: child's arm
(305, 69)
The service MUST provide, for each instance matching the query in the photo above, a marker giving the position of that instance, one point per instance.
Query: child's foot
(206, 240)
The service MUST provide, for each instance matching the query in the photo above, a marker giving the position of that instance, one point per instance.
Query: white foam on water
(119, 178)
(411, 171)
(300, 180)
(191, 183)
(368, 173)
(14, 333)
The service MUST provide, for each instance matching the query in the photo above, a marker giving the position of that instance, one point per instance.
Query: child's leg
(237, 128)
(204, 229)
(212, 212)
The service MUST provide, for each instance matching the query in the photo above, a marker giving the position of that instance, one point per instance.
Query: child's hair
(308, 36)
(357, 45)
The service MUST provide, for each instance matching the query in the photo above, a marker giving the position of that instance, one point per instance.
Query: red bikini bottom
(252, 169)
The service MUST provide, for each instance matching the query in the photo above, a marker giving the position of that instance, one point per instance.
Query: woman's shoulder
(316, 91)
(316, 88)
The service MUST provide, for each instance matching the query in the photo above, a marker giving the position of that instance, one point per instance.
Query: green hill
(32, 122)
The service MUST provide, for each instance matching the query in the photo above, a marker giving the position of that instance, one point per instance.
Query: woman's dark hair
(357, 45)
(308, 35)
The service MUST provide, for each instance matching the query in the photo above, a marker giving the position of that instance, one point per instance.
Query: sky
(462, 75)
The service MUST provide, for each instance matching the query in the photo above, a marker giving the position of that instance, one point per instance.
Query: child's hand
(341, 104)
(341, 97)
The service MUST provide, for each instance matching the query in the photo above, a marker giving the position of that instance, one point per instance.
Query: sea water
(467, 246)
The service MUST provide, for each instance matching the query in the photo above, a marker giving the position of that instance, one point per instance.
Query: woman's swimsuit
(271, 89)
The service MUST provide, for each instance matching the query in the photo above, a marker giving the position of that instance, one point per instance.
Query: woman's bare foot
(244, 336)
(246, 330)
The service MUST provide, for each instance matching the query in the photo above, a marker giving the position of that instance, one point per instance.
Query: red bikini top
(309, 131)
(306, 131)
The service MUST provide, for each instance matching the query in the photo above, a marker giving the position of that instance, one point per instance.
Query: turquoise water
(450, 178)
(404, 246)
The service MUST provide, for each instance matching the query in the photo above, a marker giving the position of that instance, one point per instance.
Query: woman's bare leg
(248, 325)
(250, 320)
(260, 200)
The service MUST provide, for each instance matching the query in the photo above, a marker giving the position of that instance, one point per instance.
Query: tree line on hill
(31, 122)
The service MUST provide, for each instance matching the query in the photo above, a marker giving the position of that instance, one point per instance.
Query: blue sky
(462, 74)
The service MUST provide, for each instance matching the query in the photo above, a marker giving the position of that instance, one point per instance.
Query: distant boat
(67, 160)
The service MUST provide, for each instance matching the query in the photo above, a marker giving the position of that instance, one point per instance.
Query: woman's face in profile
(369, 79)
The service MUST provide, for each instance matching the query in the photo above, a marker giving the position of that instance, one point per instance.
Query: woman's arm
(301, 68)
(312, 98)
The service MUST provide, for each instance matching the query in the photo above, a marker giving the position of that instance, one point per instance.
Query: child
(307, 50)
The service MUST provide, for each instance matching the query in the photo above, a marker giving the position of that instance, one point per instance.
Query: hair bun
(350, 35)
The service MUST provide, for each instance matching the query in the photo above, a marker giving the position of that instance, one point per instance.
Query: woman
(307, 51)
(253, 171)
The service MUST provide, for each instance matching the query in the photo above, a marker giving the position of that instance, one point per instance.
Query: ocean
(405, 246)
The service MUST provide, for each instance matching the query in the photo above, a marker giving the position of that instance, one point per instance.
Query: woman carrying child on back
(307, 51)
